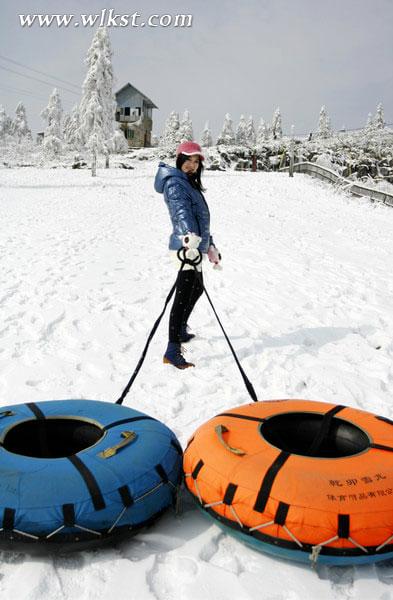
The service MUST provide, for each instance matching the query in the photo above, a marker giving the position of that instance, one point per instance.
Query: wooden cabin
(134, 112)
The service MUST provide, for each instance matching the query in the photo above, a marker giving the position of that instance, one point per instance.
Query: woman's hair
(194, 178)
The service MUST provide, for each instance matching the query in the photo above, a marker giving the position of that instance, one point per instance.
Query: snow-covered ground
(305, 295)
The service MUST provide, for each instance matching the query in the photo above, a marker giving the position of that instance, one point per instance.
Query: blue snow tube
(79, 473)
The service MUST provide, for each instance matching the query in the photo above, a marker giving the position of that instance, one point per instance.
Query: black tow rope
(194, 263)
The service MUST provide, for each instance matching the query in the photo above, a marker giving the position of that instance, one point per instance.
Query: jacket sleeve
(180, 208)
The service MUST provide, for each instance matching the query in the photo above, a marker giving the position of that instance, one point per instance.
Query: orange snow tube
(299, 479)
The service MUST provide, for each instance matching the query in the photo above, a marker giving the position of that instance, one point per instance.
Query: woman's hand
(214, 255)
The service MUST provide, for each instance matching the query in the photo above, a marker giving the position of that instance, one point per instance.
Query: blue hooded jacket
(187, 206)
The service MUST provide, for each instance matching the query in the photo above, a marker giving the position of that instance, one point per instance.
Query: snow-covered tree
(5, 123)
(369, 121)
(186, 133)
(324, 128)
(120, 144)
(379, 119)
(19, 128)
(52, 114)
(206, 137)
(262, 133)
(97, 106)
(170, 135)
(370, 125)
(241, 132)
(227, 135)
(72, 131)
(276, 128)
(65, 124)
(250, 132)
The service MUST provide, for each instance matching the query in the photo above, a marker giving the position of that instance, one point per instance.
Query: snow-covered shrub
(227, 135)
(186, 133)
(53, 141)
(206, 137)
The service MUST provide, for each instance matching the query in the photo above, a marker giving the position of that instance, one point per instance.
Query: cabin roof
(148, 101)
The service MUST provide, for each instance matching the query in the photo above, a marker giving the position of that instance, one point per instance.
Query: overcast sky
(242, 57)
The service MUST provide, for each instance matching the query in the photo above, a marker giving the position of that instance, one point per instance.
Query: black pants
(188, 290)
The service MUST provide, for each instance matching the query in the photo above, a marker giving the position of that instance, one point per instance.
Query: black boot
(173, 356)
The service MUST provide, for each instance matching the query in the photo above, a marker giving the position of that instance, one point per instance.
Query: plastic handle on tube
(129, 436)
(220, 430)
(7, 413)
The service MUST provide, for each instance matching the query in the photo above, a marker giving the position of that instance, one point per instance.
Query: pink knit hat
(189, 148)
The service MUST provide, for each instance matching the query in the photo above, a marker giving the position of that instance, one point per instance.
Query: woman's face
(191, 165)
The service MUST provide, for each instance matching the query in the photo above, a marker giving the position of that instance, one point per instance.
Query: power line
(19, 92)
(37, 71)
(22, 92)
(315, 131)
(36, 79)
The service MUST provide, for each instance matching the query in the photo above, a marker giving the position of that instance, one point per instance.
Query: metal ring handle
(220, 430)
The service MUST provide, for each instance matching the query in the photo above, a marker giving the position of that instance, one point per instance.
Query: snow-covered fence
(329, 175)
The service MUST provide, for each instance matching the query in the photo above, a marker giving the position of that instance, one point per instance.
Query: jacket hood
(163, 174)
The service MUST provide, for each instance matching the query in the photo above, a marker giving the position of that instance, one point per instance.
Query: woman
(189, 213)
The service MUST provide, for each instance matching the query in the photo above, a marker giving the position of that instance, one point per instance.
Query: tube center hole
(51, 438)
(306, 434)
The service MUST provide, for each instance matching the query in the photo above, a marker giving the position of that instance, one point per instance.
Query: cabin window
(126, 111)
(121, 110)
(130, 134)
(138, 108)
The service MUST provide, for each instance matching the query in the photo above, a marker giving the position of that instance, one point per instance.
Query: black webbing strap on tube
(37, 412)
(42, 435)
(90, 481)
(130, 420)
(343, 526)
(324, 430)
(268, 480)
(9, 519)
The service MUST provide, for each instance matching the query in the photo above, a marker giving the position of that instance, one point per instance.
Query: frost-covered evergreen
(19, 128)
(171, 134)
(120, 144)
(324, 127)
(5, 124)
(370, 128)
(262, 133)
(186, 133)
(276, 128)
(72, 131)
(329, 124)
(65, 124)
(379, 119)
(206, 137)
(250, 132)
(227, 135)
(97, 106)
(241, 132)
(52, 114)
